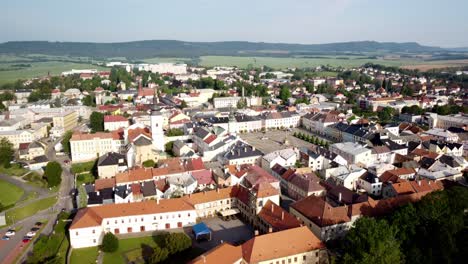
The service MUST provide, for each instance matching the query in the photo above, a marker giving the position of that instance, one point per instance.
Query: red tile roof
(115, 118)
(277, 217)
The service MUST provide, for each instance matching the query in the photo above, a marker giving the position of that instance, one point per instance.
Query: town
(232, 165)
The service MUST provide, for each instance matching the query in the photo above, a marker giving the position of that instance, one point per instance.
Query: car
(31, 234)
(35, 229)
(10, 232)
(38, 224)
(66, 161)
(5, 238)
(26, 240)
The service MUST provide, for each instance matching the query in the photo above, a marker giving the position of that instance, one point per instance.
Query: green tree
(159, 254)
(177, 242)
(53, 173)
(284, 94)
(183, 104)
(149, 163)
(89, 100)
(6, 152)
(168, 148)
(386, 114)
(174, 132)
(96, 121)
(66, 141)
(110, 243)
(371, 241)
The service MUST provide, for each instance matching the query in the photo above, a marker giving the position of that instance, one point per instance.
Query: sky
(430, 22)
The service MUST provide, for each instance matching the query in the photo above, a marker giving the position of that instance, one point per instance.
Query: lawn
(127, 245)
(15, 170)
(10, 193)
(20, 213)
(82, 167)
(35, 179)
(84, 255)
(84, 178)
(280, 63)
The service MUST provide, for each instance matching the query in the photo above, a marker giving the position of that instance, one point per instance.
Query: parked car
(35, 229)
(5, 238)
(31, 233)
(38, 224)
(26, 239)
(10, 232)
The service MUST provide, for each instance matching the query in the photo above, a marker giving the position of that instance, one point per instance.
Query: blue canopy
(200, 230)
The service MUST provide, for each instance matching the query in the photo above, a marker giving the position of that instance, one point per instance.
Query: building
(295, 245)
(114, 122)
(221, 102)
(86, 147)
(16, 137)
(63, 122)
(353, 153)
(110, 164)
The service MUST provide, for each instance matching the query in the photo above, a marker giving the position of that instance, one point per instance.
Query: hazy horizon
(429, 23)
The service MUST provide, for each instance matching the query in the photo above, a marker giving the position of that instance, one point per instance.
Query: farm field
(169, 60)
(38, 69)
(425, 66)
(278, 63)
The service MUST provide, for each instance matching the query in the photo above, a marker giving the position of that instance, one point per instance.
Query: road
(10, 250)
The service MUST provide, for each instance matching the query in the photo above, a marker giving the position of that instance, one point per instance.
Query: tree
(6, 152)
(371, 241)
(177, 242)
(66, 141)
(53, 174)
(386, 114)
(159, 254)
(174, 132)
(285, 93)
(89, 101)
(183, 104)
(168, 147)
(241, 104)
(110, 243)
(96, 121)
(148, 163)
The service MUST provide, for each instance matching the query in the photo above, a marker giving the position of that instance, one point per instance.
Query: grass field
(10, 193)
(243, 62)
(20, 213)
(84, 255)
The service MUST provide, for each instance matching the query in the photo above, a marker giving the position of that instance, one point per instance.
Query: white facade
(157, 133)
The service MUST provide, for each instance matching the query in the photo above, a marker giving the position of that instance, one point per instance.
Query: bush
(110, 243)
(159, 254)
(149, 163)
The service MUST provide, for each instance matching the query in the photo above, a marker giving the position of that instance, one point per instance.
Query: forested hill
(174, 48)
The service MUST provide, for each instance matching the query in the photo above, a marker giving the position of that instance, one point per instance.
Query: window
(116, 221)
(154, 218)
(76, 233)
(304, 257)
(122, 221)
(94, 231)
(316, 254)
(188, 214)
(94, 241)
(141, 219)
(289, 260)
(295, 259)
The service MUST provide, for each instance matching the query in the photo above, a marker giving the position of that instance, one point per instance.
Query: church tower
(157, 132)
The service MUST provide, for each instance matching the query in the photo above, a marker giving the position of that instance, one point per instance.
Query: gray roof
(148, 188)
(242, 150)
(112, 158)
(142, 141)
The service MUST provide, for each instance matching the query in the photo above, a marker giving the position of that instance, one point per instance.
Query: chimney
(157, 200)
(272, 208)
(419, 183)
(282, 215)
(256, 232)
(339, 197)
(97, 193)
(270, 230)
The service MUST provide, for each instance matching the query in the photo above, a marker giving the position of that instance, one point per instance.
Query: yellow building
(65, 121)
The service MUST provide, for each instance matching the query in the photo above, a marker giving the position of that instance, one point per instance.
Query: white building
(353, 153)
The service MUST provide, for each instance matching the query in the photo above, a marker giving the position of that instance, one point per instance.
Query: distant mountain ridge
(175, 48)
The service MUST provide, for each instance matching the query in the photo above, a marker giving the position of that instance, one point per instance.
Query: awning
(229, 212)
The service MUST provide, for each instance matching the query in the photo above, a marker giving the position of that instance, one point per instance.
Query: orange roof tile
(224, 253)
(100, 184)
(280, 244)
(277, 217)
